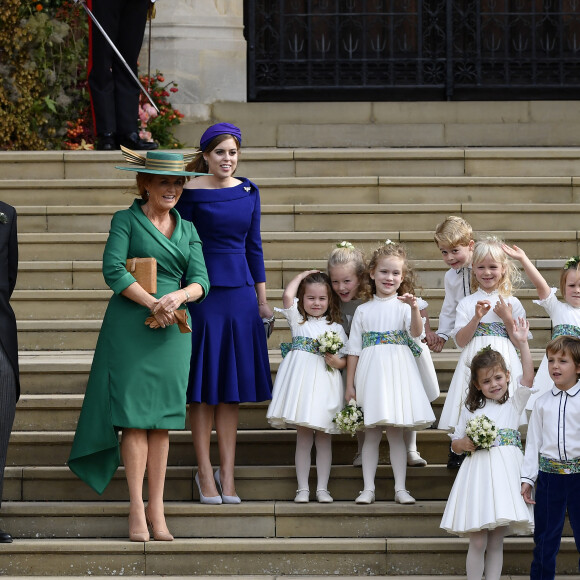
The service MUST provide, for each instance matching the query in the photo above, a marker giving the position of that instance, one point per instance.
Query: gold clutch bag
(144, 270)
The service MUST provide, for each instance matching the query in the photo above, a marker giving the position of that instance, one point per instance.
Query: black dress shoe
(5, 538)
(106, 142)
(133, 141)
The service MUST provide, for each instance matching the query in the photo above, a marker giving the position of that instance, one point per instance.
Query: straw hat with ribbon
(158, 162)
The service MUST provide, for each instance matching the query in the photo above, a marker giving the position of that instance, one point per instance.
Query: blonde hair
(454, 231)
(491, 246)
(392, 250)
(345, 254)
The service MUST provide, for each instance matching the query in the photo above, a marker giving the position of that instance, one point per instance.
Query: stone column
(200, 45)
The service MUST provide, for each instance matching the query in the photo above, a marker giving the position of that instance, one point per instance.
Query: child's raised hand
(482, 308)
(520, 330)
(408, 299)
(527, 493)
(504, 310)
(514, 252)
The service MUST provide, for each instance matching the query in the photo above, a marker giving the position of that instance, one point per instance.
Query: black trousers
(7, 410)
(114, 94)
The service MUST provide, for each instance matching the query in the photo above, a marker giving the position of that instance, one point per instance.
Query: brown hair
(392, 250)
(333, 312)
(143, 180)
(564, 274)
(567, 344)
(198, 164)
(491, 246)
(452, 232)
(486, 358)
(344, 255)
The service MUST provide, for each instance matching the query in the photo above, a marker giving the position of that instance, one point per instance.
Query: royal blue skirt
(229, 360)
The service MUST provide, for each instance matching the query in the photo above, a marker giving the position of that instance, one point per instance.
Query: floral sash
(491, 329)
(300, 343)
(569, 467)
(400, 337)
(565, 330)
(509, 437)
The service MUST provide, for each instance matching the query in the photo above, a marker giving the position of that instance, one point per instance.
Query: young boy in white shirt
(454, 238)
(552, 458)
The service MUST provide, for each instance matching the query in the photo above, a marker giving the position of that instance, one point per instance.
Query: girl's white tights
(305, 437)
(485, 553)
(370, 456)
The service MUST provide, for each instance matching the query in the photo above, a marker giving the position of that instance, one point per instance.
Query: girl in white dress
(565, 315)
(485, 317)
(306, 394)
(382, 374)
(348, 273)
(485, 501)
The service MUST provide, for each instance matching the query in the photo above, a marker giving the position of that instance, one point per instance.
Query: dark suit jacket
(8, 272)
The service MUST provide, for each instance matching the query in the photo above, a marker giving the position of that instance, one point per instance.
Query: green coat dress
(139, 375)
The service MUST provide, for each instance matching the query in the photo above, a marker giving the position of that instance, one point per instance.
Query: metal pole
(111, 43)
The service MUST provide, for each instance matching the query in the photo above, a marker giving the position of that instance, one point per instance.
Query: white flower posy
(350, 419)
(389, 243)
(345, 244)
(482, 431)
(3, 218)
(330, 342)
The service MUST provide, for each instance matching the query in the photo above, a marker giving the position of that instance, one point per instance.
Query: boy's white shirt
(553, 431)
(457, 286)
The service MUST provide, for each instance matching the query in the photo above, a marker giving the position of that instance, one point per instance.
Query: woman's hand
(265, 311)
(168, 303)
(504, 310)
(462, 445)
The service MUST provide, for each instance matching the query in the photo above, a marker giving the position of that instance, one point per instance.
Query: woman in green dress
(138, 379)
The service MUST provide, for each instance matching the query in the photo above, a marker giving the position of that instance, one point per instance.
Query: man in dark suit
(114, 94)
(9, 375)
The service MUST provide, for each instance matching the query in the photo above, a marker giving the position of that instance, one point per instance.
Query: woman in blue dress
(229, 361)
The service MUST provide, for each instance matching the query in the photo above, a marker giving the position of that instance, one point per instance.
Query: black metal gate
(339, 50)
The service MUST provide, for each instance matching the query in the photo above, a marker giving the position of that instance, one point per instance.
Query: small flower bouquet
(482, 431)
(331, 342)
(3, 218)
(350, 419)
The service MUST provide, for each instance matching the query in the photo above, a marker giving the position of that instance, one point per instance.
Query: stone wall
(200, 45)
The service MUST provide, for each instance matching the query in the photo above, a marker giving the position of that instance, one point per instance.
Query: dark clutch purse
(268, 325)
(144, 270)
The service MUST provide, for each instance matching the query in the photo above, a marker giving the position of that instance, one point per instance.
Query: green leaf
(50, 103)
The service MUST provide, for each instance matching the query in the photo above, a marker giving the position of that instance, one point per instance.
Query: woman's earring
(146, 193)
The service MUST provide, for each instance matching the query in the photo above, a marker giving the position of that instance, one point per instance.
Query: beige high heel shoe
(138, 536)
(159, 535)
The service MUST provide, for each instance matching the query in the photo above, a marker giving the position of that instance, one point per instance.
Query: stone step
(250, 519)
(288, 161)
(82, 334)
(540, 244)
(46, 373)
(91, 304)
(28, 194)
(313, 556)
(254, 447)
(87, 275)
(283, 577)
(323, 217)
(253, 482)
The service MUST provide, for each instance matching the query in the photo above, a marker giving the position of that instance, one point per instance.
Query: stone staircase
(311, 199)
